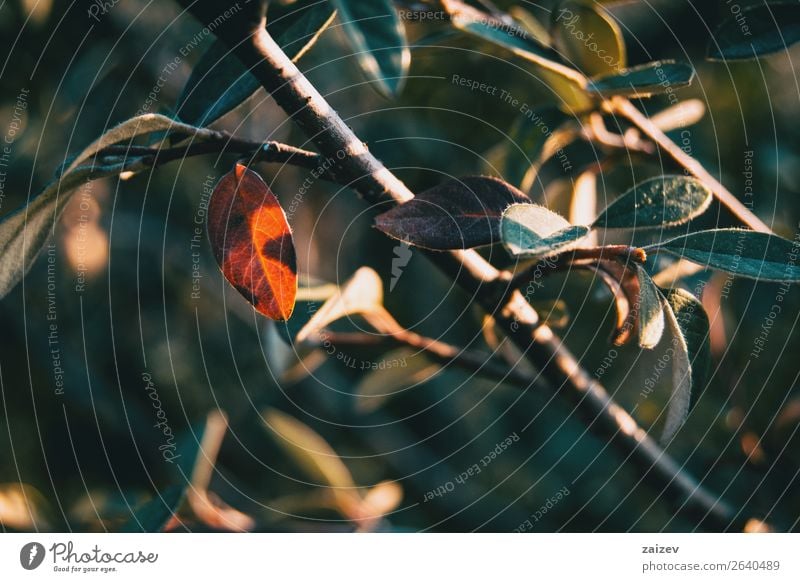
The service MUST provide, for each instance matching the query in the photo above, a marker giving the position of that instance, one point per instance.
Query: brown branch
(480, 363)
(221, 142)
(623, 107)
(304, 104)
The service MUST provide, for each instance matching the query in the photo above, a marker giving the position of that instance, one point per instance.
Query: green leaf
(481, 25)
(652, 78)
(533, 231)
(650, 311)
(590, 37)
(154, 515)
(377, 35)
(220, 82)
(695, 328)
(690, 353)
(658, 202)
(755, 255)
(24, 231)
(459, 214)
(756, 31)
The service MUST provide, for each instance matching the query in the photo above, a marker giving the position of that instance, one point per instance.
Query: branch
(365, 174)
(626, 109)
(221, 142)
(480, 363)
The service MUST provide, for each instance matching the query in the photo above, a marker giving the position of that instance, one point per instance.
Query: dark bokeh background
(93, 449)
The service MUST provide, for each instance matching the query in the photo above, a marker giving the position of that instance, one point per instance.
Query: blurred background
(108, 316)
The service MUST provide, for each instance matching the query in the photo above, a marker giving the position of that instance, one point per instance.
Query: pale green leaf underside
(531, 231)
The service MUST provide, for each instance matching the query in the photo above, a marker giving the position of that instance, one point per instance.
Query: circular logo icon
(31, 555)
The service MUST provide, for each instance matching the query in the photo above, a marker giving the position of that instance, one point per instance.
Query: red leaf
(252, 242)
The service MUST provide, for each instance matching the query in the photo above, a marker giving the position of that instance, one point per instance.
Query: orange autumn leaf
(252, 242)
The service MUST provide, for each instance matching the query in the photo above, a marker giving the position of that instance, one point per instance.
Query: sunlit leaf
(652, 78)
(680, 397)
(746, 253)
(458, 214)
(362, 293)
(154, 515)
(23, 508)
(650, 311)
(756, 31)
(583, 204)
(252, 242)
(690, 354)
(316, 457)
(24, 232)
(396, 372)
(531, 231)
(657, 203)
(525, 142)
(590, 38)
(378, 37)
(614, 276)
(309, 449)
(220, 82)
(205, 505)
(383, 498)
(476, 23)
(692, 320)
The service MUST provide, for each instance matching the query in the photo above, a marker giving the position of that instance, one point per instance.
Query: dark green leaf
(220, 82)
(652, 78)
(459, 214)
(690, 354)
(532, 231)
(378, 37)
(692, 320)
(24, 232)
(658, 202)
(755, 255)
(756, 31)
(156, 513)
(650, 311)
